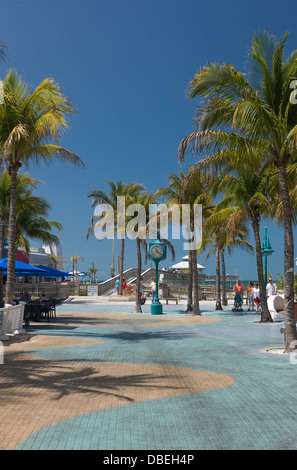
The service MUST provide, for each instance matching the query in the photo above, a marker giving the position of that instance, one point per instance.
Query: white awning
(185, 265)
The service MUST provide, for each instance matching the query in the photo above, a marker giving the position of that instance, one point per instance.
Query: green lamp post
(156, 252)
(266, 251)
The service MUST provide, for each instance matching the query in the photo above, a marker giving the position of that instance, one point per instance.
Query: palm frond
(50, 152)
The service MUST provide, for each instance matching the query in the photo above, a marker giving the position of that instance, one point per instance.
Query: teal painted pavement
(258, 411)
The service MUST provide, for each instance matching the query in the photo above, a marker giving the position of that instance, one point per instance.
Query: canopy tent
(22, 269)
(77, 273)
(185, 265)
(51, 272)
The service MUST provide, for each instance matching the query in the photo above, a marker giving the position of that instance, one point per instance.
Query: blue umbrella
(22, 269)
(51, 272)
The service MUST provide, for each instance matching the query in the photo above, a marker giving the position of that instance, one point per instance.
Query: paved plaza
(100, 377)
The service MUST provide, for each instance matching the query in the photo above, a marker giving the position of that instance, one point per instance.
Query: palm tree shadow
(128, 336)
(22, 377)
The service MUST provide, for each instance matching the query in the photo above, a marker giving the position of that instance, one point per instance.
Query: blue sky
(126, 65)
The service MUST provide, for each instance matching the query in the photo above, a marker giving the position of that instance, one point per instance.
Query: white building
(40, 255)
(183, 266)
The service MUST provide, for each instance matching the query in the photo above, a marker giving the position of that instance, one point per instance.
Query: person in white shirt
(153, 289)
(256, 296)
(270, 288)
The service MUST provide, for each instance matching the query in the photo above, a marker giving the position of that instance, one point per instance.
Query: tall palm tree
(224, 230)
(143, 199)
(258, 109)
(246, 200)
(31, 221)
(189, 188)
(29, 120)
(98, 196)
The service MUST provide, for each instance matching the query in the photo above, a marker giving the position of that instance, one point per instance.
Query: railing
(3, 322)
(11, 320)
(15, 318)
(107, 287)
(56, 290)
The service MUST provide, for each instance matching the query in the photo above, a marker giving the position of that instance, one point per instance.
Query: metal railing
(56, 290)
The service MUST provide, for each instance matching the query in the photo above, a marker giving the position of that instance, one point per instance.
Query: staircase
(108, 287)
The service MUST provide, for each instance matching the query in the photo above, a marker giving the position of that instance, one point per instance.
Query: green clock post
(156, 252)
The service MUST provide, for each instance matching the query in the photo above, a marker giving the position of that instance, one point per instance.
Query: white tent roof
(77, 273)
(185, 265)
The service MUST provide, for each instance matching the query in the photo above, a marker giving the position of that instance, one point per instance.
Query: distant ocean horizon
(229, 284)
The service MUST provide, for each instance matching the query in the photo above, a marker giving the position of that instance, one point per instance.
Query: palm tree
(92, 272)
(224, 229)
(259, 110)
(246, 199)
(29, 120)
(31, 219)
(189, 188)
(3, 51)
(24, 181)
(38, 228)
(117, 190)
(57, 261)
(143, 199)
(74, 261)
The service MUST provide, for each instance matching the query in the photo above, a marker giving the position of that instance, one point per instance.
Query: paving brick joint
(100, 377)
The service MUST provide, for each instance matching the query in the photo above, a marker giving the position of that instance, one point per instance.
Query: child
(142, 299)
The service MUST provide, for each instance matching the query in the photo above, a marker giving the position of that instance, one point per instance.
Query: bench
(170, 298)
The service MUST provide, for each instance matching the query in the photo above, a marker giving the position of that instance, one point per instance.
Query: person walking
(256, 296)
(271, 288)
(153, 289)
(238, 289)
(117, 285)
(249, 298)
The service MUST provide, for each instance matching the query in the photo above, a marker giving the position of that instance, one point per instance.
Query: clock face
(157, 251)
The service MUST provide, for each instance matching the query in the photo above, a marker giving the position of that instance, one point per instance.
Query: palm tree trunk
(137, 302)
(218, 280)
(190, 283)
(196, 308)
(2, 251)
(224, 297)
(10, 283)
(2, 235)
(265, 314)
(290, 322)
(112, 270)
(122, 265)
